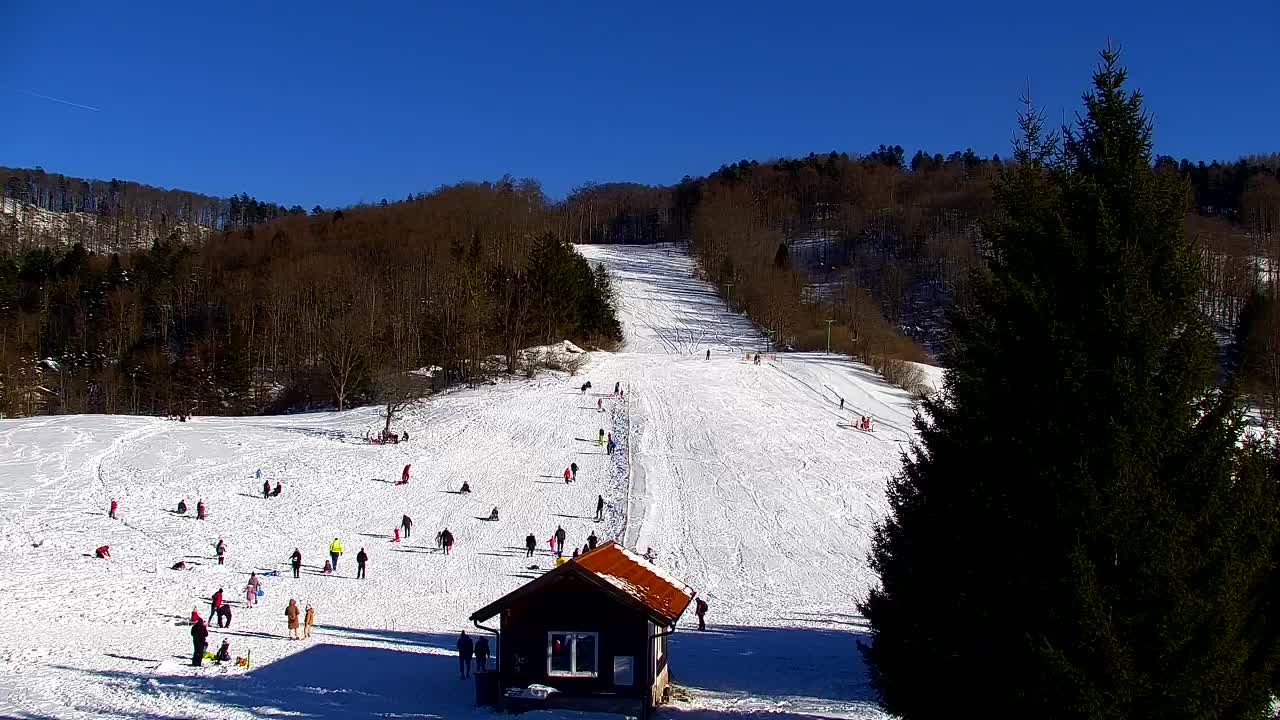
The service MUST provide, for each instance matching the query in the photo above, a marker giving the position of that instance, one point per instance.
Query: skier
(276, 492)
(112, 513)
(308, 620)
(102, 552)
(700, 608)
(466, 488)
(530, 543)
(266, 488)
(406, 522)
(395, 535)
(221, 550)
(224, 615)
(566, 476)
(560, 533)
(404, 476)
(592, 540)
(296, 561)
(493, 516)
(200, 509)
(482, 653)
(224, 652)
(446, 539)
(335, 549)
(291, 613)
(599, 508)
(199, 641)
(182, 506)
(464, 655)
(574, 468)
(361, 558)
(215, 602)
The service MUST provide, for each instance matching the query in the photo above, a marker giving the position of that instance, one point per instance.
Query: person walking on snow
(482, 653)
(574, 468)
(335, 549)
(406, 523)
(464, 655)
(841, 403)
(291, 613)
(404, 476)
(617, 388)
(308, 620)
(361, 558)
(295, 560)
(215, 602)
(566, 476)
(599, 404)
(530, 544)
(700, 609)
(199, 642)
(221, 550)
(200, 509)
(446, 539)
(112, 513)
(560, 534)
(599, 508)
(708, 354)
(250, 594)
(266, 488)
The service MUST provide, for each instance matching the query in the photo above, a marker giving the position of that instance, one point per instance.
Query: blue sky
(337, 103)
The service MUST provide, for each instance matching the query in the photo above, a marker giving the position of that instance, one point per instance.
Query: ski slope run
(744, 479)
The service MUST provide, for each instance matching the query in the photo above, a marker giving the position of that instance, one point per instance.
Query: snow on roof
(639, 578)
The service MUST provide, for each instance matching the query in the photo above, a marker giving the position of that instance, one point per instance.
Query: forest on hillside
(301, 312)
(273, 309)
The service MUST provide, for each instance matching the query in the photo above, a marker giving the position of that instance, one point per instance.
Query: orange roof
(616, 570)
(639, 578)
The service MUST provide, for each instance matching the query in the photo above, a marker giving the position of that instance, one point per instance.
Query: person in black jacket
(530, 543)
(464, 655)
(592, 540)
(361, 558)
(406, 524)
(276, 492)
(224, 615)
(200, 641)
(296, 561)
(266, 488)
(599, 508)
(482, 653)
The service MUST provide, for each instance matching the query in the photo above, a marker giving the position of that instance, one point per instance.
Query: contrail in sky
(59, 100)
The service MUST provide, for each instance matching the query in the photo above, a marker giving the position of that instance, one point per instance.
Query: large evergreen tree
(1078, 533)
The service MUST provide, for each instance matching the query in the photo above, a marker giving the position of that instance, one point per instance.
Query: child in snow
(182, 506)
(395, 538)
(195, 616)
(102, 552)
(493, 516)
(224, 652)
(566, 476)
(308, 620)
(328, 568)
(276, 492)
(112, 513)
(250, 594)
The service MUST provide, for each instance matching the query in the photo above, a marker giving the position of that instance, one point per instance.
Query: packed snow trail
(745, 479)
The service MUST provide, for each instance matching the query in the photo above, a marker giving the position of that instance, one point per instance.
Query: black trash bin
(487, 688)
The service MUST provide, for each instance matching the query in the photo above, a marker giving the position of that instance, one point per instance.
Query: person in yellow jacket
(335, 549)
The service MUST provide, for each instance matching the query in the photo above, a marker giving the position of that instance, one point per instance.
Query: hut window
(573, 654)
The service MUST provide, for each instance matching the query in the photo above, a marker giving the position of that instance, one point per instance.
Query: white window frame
(572, 636)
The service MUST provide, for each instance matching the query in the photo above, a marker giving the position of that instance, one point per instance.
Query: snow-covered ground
(745, 479)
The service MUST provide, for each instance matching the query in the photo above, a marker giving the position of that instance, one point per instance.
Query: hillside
(743, 478)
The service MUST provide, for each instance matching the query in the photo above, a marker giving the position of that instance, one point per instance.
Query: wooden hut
(595, 629)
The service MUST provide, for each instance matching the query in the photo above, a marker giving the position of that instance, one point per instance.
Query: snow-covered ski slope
(743, 479)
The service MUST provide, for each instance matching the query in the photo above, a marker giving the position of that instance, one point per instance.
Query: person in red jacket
(566, 475)
(195, 616)
(200, 510)
(215, 602)
(404, 476)
(112, 514)
(103, 552)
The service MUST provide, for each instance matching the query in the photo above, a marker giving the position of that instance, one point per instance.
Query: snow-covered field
(746, 480)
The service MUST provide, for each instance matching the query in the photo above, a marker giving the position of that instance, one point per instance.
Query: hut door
(624, 670)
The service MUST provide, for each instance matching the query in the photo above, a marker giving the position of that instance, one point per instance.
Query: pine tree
(1077, 533)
